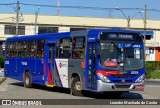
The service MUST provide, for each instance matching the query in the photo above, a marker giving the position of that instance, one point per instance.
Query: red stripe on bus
(49, 77)
(108, 73)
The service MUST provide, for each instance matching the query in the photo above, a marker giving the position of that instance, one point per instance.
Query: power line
(81, 7)
(156, 10)
(8, 4)
(85, 7)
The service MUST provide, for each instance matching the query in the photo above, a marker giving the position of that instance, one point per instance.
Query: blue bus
(101, 60)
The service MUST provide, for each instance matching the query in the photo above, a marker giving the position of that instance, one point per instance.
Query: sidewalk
(153, 80)
(2, 78)
(1, 72)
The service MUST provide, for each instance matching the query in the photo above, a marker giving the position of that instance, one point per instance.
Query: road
(153, 82)
(12, 89)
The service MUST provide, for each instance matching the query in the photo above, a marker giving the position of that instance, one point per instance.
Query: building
(51, 24)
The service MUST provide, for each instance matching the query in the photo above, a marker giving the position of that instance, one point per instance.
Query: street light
(36, 17)
(17, 17)
(21, 18)
(145, 24)
(127, 18)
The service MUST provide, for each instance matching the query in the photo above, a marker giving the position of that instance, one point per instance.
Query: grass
(155, 75)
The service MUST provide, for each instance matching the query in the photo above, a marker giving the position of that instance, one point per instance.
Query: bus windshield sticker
(111, 64)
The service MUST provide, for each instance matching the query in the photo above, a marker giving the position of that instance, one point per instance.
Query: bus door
(50, 63)
(91, 77)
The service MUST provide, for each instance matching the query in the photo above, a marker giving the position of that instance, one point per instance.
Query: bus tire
(76, 87)
(27, 80)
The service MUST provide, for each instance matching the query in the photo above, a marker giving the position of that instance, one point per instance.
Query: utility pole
(17, 17)
(58, 7)
(145, 24)
(127, 18)
(128, 22)
(36, 17)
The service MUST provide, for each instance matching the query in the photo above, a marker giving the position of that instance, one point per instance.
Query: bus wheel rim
(27, 80)
(78, 86)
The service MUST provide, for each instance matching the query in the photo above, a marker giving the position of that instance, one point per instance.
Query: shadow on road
(125, 95)
(89, 94)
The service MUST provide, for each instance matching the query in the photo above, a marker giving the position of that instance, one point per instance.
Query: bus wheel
(27, 80)
(76, 87)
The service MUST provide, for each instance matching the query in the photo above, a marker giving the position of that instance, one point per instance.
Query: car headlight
(141, 78)
(103, 78)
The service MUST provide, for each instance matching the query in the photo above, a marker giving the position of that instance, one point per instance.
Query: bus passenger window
(40, 49)
(65, 48)
(13, 50)
(32, 49)
(7, 49)
(78, 49)
(22, 49)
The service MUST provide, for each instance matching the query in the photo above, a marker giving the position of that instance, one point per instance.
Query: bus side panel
(10, 68)
(39, 71)
(61, 73)
(75, 67)
(26, 65)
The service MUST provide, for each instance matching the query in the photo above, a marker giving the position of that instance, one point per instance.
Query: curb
(152, 79)
(2, 80)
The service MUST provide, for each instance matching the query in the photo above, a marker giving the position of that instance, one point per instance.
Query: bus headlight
(103, 78)
(140, 79)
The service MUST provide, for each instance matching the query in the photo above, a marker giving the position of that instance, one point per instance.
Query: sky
(151, 4)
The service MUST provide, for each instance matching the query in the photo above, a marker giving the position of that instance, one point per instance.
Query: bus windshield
(121, 54)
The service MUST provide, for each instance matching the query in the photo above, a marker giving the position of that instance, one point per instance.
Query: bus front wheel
(76, 87)
(27, 80)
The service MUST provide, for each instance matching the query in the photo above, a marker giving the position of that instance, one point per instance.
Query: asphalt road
(15, 88)
(12, 89)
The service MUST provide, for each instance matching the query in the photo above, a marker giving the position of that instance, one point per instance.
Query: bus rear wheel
(76, 87)
(27, 80)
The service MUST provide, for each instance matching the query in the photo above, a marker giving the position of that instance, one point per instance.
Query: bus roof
(119, 30)
(89, 32)
(38, 37)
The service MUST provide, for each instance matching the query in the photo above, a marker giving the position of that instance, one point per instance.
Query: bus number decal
(6, 62)
(62, 66)
(24, 63)
(134, 72)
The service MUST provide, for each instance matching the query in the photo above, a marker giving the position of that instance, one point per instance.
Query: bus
(107, 60)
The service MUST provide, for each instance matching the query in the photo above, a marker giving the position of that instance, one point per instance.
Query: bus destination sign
(120, 36)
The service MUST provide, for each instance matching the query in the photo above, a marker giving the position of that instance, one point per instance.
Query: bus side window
(40, 49)
(78, 49)
(7, 49)
(13, 50)
(65, 48)
(32, 48)
(22, 49)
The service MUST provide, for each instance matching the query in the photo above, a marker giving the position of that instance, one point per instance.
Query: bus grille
(124, 75)
(120, 81)
(122, 86)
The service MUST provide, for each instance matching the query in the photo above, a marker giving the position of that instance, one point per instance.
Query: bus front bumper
(102, 86)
